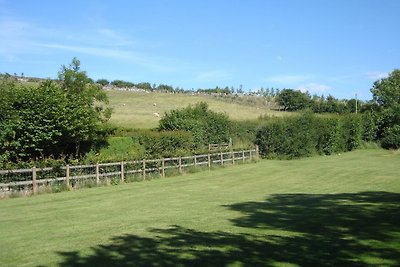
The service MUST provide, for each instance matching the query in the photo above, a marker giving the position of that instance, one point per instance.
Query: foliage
(103, 82)
(122, 84)
(145, 86)
(52, 119)
(165, 88)
(386, 97)
(216, 90)
(118, 148)
(167, 143)
(293, 100)
(308, 134)
(386, 91)
(391, 137)
(289, 138)
(206, 126)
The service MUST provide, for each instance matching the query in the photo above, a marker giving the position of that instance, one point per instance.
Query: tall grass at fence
(45, 180)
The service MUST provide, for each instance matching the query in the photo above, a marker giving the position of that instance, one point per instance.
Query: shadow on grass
(359, 229)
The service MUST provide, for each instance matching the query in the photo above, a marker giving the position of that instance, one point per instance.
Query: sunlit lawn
(340, 210)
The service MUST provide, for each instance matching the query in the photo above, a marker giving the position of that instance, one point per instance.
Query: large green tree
(292, 100)
(386, 97)
(56, 118)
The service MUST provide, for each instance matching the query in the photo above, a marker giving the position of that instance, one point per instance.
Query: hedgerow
(308, 134)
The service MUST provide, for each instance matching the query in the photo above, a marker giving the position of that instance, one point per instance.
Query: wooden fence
(30, 180)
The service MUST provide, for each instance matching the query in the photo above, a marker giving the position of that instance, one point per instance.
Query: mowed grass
(136, 110)
(341, 210)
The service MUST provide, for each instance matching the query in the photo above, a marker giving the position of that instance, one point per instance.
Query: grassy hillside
(340, 210)
(136, 110)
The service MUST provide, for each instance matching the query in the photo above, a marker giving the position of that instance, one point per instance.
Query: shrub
(352, 131)
(328, 135)
(205, 126)
(167, 143)
(307, 134)
(288, 138)
(391, 137)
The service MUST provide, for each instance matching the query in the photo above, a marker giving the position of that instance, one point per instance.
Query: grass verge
(337, 210)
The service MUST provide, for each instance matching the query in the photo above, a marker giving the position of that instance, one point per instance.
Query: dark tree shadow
(314, 230)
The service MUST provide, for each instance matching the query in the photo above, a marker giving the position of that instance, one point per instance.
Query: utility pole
(356, 104)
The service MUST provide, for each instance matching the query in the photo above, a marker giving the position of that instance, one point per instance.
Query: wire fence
(32, 180)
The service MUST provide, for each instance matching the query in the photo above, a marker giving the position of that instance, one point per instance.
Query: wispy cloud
(376, 75)
(288, 79)
(116, 54)
(20, 38)
(314, 88)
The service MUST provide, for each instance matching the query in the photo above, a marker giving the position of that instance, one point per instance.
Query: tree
(144, 86)
(386, 91)
(165, 88)
(206, 126)
(52, 119)
(386, 97)
(293, 100)
(103, 82)
(86, 105)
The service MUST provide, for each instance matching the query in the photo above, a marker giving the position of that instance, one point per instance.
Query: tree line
(67, 117)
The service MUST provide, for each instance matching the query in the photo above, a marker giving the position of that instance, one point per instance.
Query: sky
(326, 47)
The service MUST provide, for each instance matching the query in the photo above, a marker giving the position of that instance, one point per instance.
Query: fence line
(30, 180)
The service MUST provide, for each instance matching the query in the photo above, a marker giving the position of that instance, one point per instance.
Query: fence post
(163, 167)
(97, 173)
(222, 159)
(122, 172)
(34, 184)
(251, 156)
(243, 156)
(209, 161)
(67, 175)
(144, 170)
(233, 157)
(180, 164)
(195, 161)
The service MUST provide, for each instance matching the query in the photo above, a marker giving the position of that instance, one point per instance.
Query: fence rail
(30, 180)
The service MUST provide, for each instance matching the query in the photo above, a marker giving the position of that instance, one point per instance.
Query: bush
(352, 131)
(54, 119)
(307, 134)
(391, 137)
(328, 137)
(287, 138)
(167, 143)
(370, 127)
(205, 126)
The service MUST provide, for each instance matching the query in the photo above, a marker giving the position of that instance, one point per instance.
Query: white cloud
(314, 88)
(20, 38)
(288, 79)
(376, 75)
(158, 64)
(114, 37)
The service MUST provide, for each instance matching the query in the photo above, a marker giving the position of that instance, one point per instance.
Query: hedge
(308, 134)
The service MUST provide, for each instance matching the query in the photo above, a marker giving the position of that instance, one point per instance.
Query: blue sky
(326, 47)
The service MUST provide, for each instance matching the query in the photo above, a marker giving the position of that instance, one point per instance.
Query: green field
(136, 110)
(341, 210)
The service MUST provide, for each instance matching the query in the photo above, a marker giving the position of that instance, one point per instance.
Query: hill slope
(136, 110)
